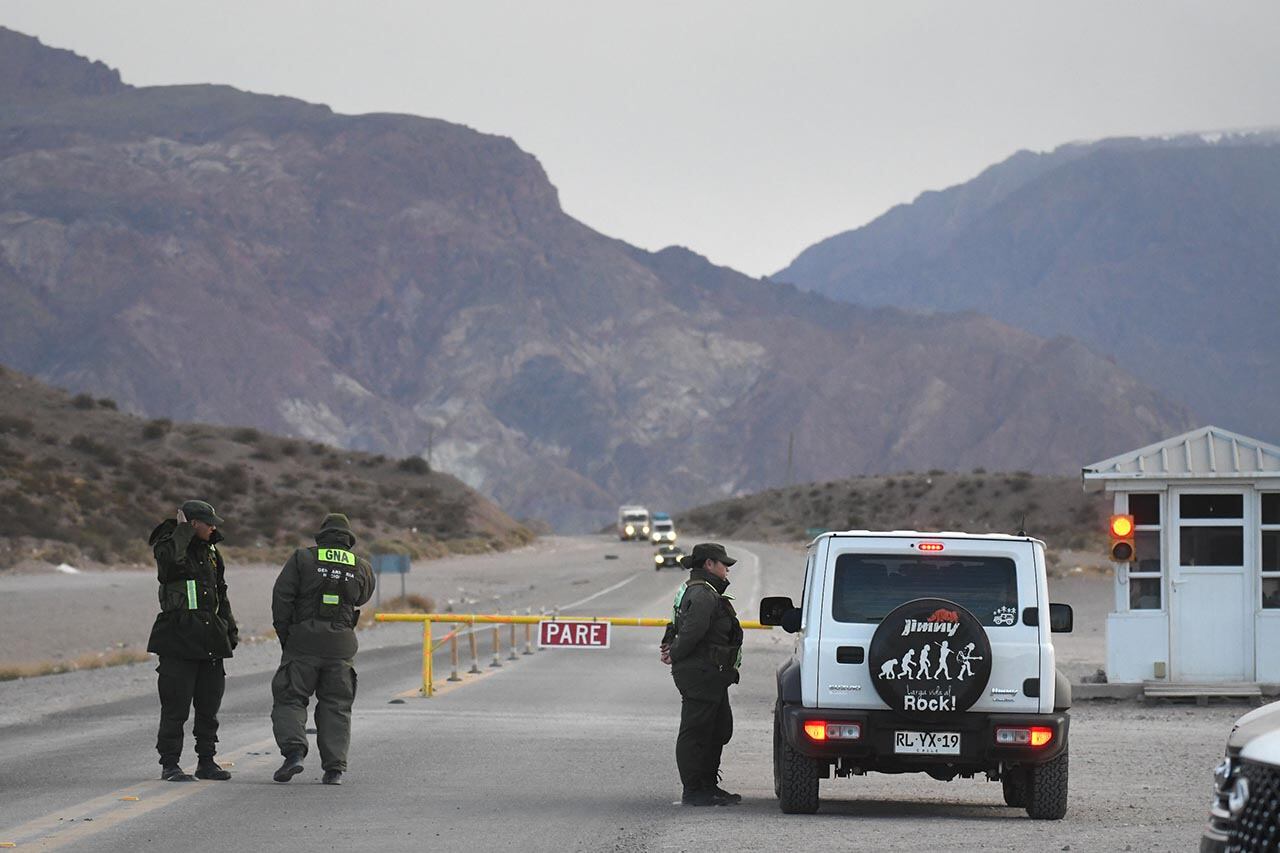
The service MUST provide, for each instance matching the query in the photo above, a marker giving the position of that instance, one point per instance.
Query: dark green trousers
(183, 683)
(706, 725)
(333, 682)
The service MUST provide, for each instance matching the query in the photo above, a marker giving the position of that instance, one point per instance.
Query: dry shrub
(92, 660)
(157, 428)
(411, 603)
(414, 465)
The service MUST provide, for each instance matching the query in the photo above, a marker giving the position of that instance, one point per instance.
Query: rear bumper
(874, 750)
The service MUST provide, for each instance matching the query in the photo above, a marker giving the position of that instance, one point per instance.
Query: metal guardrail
(430, 646)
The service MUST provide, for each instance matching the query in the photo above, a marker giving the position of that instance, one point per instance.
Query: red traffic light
(1121, 528)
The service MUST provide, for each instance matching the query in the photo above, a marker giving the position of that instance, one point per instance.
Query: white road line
(605, 591)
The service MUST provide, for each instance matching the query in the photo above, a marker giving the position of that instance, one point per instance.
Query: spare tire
(930, 656)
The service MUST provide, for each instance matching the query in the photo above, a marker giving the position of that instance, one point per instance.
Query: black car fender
(788, 675)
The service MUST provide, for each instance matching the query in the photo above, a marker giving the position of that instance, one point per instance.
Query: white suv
(923, 652)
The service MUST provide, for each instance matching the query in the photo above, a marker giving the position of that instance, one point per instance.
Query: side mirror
(779, 610)
(1061, 618)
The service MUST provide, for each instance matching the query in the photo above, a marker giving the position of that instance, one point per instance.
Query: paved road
(562, 750)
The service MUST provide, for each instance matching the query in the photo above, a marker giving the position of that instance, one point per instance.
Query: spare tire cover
(930, 656)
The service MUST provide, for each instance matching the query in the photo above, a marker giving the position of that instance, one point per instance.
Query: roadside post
(389, 564)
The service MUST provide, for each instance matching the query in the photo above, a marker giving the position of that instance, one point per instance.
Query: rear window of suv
(869, 586)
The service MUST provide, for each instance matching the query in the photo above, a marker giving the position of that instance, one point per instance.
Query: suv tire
(795, 776)
(1047, 789)
(1014, 782)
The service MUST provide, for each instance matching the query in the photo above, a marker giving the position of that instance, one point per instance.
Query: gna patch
(336, 555)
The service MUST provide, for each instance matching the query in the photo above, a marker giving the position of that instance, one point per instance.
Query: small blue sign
(391, 564)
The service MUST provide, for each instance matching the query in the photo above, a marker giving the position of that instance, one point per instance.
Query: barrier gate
(430, 646)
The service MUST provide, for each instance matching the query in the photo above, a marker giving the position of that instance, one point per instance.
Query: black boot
(292, 767)
(174, 773)
(729, 799)
(332, 777)
(207, 768)
(701, 797)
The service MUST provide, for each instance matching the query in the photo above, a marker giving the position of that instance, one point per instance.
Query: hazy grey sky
(743, 130)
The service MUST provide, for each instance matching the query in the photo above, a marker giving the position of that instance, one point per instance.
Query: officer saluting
(313, 608)
(703, 645)
(192, 634)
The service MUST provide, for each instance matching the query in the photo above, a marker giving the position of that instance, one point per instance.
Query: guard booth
(1199, 601)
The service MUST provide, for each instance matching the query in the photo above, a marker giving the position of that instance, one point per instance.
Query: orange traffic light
(1121, 528)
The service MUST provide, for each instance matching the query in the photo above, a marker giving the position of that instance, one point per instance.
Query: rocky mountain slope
(81, 480)
(1161, 253)
(407, 286)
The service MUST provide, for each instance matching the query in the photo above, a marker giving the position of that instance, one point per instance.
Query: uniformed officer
(313, 608)
(192, 634)
(703, 645)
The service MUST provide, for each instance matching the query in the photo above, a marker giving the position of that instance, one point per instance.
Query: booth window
(1145, 572)
(1270, 551)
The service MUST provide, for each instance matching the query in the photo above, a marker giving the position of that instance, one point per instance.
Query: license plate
(926, 743)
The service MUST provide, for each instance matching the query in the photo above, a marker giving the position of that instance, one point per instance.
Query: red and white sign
(573, 635)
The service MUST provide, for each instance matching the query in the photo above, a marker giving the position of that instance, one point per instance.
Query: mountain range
(1161, 253)
(404, 285)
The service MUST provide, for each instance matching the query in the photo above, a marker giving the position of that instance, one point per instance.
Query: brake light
(930, 546)
(1033, 736)
(816, 730)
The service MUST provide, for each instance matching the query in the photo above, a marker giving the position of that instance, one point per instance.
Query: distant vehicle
(1241, 809)
(664, 529)
(667, 556)
(633, 523)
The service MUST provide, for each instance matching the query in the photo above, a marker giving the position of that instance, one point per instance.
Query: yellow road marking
(56, 829)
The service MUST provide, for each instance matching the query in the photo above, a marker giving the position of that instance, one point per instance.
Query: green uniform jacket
(195, 621)
(303, 622)
(705, 638)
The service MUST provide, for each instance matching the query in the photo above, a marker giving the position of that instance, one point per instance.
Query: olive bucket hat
(336, 521)
(201, 511)
(704, 551)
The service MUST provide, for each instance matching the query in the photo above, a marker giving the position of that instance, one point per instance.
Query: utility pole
(791, 444)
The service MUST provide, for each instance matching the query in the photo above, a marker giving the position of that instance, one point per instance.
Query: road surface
(561, 750)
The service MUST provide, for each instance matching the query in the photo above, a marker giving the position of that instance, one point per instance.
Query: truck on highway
(922, 653)
(633, 523)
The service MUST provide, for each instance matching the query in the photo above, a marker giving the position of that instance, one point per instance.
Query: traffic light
(1121, 528)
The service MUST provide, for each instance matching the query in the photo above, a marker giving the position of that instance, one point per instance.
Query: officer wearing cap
(313, 608)
(192, 634)
(703, 645)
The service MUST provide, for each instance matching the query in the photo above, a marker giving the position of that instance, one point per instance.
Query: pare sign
(573, 635)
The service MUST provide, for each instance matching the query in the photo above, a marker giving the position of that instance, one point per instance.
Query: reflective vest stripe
(329, 598)
(336, 555)
(192, 603)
